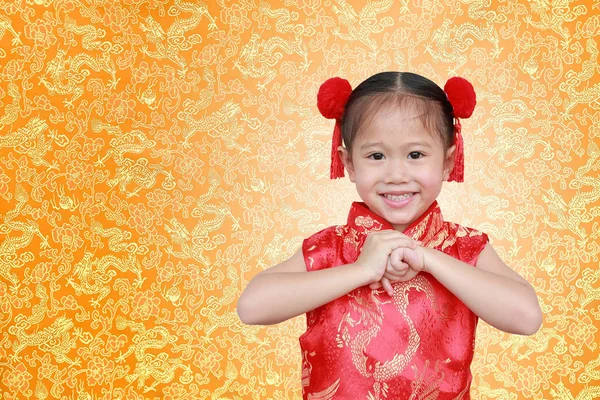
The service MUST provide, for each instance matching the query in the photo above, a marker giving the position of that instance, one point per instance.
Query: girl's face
(395, 154)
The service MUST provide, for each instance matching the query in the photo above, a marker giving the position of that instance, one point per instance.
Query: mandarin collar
(364, 220)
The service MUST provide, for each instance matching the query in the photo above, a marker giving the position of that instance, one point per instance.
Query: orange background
(156, 155)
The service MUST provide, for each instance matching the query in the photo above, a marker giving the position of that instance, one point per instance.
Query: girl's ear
(346, 159)
(449, 162)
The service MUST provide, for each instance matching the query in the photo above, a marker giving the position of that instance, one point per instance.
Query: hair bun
(332, 97)
(461, 95)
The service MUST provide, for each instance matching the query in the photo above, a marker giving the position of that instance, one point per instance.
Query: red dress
(416, 344)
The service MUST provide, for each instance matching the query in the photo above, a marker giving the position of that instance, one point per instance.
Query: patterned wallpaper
(155, 155)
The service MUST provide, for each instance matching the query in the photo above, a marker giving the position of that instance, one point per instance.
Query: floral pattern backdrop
(155, 155)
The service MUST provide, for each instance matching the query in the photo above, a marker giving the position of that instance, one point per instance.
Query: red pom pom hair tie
(331, 101)
(461, 95)
(333, 96)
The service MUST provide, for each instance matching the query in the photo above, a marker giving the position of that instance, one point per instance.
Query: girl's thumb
(375, 285)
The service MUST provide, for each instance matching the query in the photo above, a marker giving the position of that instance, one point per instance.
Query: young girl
(393, 296)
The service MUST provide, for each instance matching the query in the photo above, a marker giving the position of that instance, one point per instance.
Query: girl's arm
(287, 290)
(492, 290)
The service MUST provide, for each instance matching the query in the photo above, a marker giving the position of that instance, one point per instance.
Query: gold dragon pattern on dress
(371, 317)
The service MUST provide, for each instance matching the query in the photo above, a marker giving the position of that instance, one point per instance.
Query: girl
(393, 296)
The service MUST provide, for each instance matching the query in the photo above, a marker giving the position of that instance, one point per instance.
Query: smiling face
(394, 154)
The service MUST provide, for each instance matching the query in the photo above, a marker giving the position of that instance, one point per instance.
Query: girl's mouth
(398, 201)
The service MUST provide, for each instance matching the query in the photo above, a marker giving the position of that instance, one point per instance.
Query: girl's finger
(404, 236)
(387, 286)
(401, 271)
(396, 243)
(403, 242)
(389, 267)
(411, 243)
(396, 259)
(393, 266)
(394, 233)
(392, 276)
(396, 262)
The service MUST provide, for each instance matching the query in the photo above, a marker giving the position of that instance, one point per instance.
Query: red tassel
(458, 172)
(337, 166)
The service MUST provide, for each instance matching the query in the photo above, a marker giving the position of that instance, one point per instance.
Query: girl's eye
(413, 155)
(375, 154)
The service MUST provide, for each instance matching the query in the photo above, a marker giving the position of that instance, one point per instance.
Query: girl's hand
(376, 250)
(403, 264)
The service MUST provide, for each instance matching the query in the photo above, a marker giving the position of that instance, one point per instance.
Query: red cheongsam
(416, 344)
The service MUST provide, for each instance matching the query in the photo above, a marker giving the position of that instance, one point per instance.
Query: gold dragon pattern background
(155, 155)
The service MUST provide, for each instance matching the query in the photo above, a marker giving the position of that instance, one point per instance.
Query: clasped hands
(391, 256)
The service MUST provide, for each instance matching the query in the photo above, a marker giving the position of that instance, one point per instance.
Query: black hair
(406, 90)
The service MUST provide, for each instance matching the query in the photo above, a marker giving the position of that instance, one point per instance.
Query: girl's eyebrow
(413, 143)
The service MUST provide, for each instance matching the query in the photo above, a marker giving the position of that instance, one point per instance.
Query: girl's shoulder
(468, 242)
(321, 248)
(462, 231)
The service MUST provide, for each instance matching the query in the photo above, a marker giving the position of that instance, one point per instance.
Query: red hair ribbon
(331, 101)
(462, 96)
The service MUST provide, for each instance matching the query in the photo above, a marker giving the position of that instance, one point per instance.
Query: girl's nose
(396, 173)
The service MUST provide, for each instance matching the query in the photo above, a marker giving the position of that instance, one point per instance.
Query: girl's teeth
(396, 198)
